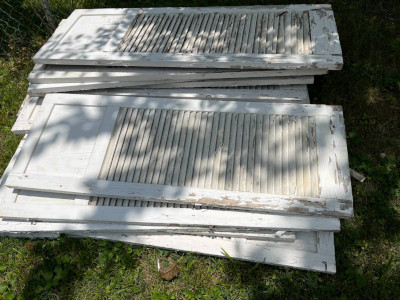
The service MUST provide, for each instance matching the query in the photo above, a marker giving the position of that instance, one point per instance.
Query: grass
(367, 248)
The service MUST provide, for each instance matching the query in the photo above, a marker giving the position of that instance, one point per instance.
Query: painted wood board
(252, 93)
(321, 260)
(338, 204)
(65, 76)
(288, 80)
(162, 216)
(44, 88)
(304, 241)
(263, 235)
(4, 191)
(40, 68)
(324, 34)
(281, 94)
(117, 43)
(27, 114)
(170, 60)
(70, 74)
(294, 87)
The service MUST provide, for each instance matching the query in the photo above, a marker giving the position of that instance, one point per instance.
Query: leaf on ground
(30, 246)
(171, 272)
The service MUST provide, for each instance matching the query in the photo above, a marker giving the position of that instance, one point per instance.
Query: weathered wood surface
(261, 37)
(359, 177)
(27, 114)
(322, 259)
(96, 74)
(321, 185)
(327, 206)
(44, 88)
(5, 192)
(170, 60)
(164, 216)
(263, 235)
(280, 94)
(218, 83)
(324, 34)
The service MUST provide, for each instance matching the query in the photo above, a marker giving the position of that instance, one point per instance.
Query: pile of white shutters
(269, 237)
(187, 129)
(167, 48)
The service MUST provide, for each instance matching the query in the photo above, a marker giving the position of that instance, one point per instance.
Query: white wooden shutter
(271, 157)
(266, 37)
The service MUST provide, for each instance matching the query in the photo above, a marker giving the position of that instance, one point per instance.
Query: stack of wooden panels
(168, 48)
(187, 129)
(257, 178)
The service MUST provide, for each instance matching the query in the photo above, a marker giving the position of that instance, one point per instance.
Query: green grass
(367, 248)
